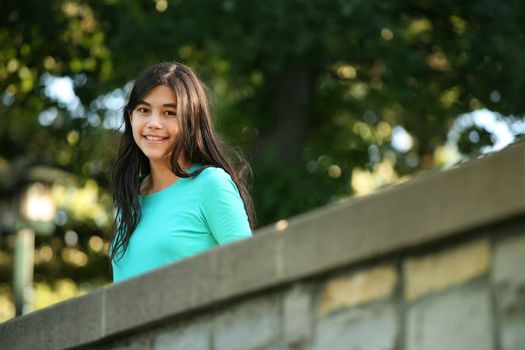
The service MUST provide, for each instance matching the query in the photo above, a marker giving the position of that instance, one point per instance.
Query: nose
(155, 121)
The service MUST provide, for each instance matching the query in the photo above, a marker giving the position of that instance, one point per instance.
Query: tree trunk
(292, 98)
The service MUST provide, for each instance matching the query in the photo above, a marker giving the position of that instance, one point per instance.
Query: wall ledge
(427, 209)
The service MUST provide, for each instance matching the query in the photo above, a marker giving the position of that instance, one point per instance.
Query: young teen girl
(176, 188)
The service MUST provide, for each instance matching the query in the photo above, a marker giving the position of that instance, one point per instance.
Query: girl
(176, 189)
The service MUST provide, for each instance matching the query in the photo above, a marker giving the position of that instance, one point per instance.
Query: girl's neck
(161, 176)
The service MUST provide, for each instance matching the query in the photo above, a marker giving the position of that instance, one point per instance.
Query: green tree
(294, 78)
(310, 90)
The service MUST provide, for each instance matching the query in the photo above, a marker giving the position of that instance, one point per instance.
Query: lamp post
(27, 208)
(37, 211)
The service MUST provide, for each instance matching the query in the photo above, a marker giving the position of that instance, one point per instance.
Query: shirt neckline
(166, 189)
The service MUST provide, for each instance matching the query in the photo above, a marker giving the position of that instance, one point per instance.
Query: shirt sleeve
(223, 208)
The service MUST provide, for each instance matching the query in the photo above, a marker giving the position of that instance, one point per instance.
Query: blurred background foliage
(327, 99)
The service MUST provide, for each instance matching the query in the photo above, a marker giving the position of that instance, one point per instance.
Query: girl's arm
(223, 208)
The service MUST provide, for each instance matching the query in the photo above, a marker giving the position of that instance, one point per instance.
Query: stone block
(245, 266)
(372, 327)
(57, 326)
(508, 279)
(160, 294)
(297, 313)
(458, 319)
(194, 335)
(251, 324)
(357, 288)
(216, 275)
(138, 341)
(446, 268)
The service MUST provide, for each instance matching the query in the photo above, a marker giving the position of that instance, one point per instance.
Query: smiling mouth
(155, 139)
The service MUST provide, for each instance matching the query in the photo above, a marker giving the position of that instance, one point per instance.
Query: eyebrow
(142, 102)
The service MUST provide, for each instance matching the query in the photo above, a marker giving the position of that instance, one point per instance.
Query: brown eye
(170, 113)
(142, 110)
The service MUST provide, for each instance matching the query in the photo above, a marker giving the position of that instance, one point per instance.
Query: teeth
(155, 138)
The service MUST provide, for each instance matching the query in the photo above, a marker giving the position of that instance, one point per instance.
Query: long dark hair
(197, 141)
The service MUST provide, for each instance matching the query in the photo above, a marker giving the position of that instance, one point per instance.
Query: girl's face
(154, 123)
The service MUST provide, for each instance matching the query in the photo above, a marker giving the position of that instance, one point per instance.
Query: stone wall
(435, 263)
(465, 295)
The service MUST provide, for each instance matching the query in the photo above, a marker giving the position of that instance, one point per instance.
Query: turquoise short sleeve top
(188, 217)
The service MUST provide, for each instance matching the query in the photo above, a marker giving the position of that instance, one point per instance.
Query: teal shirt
(188, 217)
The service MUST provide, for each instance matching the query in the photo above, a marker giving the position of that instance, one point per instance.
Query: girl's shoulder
(213, 171)
(213, 175)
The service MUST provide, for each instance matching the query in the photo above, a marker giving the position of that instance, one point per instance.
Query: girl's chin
(156, 157)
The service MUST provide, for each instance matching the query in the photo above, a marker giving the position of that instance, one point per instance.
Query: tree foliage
(310, 90)
(298, 82)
